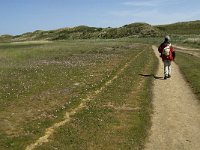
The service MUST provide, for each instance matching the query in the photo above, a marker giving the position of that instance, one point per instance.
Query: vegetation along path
(49, 131)
(176, 121)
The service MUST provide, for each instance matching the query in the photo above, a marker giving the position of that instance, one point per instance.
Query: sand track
(190, 51)
(176, 118)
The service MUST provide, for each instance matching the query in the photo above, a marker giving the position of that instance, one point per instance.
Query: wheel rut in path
(176, 117)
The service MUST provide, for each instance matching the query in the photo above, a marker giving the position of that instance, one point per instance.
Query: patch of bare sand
(191, 51)
(31, 42)
(176, 118)
(186, 48)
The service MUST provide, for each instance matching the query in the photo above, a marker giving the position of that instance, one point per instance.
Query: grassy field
(192, 41)
(42, 81)
(190, 67)
(181, 28)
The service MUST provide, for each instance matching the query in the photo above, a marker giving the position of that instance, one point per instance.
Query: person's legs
(169, 69)
(166, 68)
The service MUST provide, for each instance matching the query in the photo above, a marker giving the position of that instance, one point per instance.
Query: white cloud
(137, 13)
(139, 3)
(147, 3)
(154, 16)
(151, 12)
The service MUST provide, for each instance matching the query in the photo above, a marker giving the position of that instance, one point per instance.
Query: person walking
(167, 54)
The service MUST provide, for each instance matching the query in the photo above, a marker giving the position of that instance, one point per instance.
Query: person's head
(167, 38)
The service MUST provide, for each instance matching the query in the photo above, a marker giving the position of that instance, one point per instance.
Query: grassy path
(176, 121)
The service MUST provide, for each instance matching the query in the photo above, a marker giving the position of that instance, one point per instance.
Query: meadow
(190, 67)
(83, 89)
(104, 85)
(110, 79)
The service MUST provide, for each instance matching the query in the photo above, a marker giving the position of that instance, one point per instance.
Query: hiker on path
(167, 54)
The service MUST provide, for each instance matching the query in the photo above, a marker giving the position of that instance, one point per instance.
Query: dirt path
(176, 118)
(184, 48)
(191, 51)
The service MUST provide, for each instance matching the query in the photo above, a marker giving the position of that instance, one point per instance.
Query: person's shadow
(152, 75)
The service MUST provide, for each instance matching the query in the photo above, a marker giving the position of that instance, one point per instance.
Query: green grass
(40, 82)
(186, 40)
(181, 28)
(117, 118)
(190, 67)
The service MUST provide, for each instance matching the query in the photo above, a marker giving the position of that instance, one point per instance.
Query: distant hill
(6, 38)
(130, 30)
(85, 32)
(191, 27)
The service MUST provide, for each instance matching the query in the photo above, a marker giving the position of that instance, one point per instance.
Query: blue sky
(20, 16)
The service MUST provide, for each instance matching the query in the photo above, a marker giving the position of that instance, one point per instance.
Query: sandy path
(176, 118)
(191, 51)
(186, 48)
